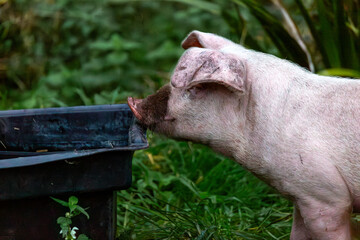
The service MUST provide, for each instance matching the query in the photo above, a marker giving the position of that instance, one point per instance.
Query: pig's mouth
(132, 102)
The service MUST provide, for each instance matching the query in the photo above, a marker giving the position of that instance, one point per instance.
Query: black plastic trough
(84, 151)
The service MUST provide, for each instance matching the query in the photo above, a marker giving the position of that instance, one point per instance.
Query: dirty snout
(152, 110)
(134, 105)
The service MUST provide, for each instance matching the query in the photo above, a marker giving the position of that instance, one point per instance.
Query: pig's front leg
(324, 221)
(298, 229)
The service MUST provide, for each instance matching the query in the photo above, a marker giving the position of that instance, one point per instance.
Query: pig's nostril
(182, 68)
(131, 102)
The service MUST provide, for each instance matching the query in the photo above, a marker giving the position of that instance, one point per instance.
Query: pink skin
(133, 103)
(297, 131)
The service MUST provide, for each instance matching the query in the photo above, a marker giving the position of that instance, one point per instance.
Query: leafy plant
(329, 41)
(67, 232)
(323, 36)
(65, 53)
(180, 192)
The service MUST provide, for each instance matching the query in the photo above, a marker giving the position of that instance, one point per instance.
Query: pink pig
(297, 131)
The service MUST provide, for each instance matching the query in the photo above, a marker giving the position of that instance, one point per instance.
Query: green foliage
(332, 32)
(67, 232)
(185, 191)
(65, 53)
(319, 35)
(64, 224)
(72, 205)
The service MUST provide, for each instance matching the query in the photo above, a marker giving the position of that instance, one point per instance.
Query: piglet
(297, 131)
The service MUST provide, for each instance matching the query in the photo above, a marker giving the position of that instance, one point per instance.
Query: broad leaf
(61, 202)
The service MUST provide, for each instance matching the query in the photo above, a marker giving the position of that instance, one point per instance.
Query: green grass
(66, 53)
(185, 191)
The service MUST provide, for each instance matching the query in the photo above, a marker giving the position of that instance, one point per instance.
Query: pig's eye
(196, 90)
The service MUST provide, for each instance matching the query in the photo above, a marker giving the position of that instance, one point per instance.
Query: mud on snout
(151, 110)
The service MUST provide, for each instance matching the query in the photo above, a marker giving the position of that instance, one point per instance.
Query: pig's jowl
(297, 131)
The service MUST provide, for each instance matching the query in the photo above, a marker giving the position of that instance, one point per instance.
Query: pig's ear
(210, 67)
(205, 40)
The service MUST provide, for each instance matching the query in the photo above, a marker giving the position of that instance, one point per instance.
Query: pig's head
(203, 101)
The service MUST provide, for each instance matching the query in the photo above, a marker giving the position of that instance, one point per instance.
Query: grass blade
(340, 29)
(204, 5)
(343, 72)
(315, 34)
(294, 31)
(327, 34)
(287, 46)
(237, 25)
(346, 45)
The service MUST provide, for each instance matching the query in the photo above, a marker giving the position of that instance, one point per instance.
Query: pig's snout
(134, 106)
(152, 111)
